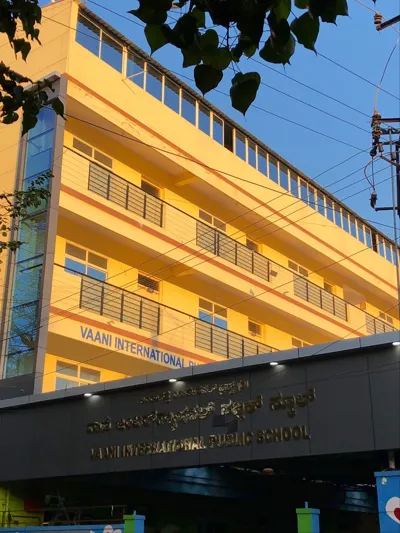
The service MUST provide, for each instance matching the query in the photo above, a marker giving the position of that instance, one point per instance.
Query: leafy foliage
(25, 15)
(16, 205)
(269, 26)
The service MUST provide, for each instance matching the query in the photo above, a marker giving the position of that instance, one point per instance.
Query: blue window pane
(304, 191)
(220, 322)
(74, 267)
(88, 35)
(204, 119)
(62, 383)
(135, 69)
(338, 218)
(283, 178)
(205, 316)
(188, 107)
(46, 119)
(32, 233)
(311, 197)
(111, 52)
(321, 205)
(381, 247)
(329, 210)
(273, 169)
(154, 82)
(262, 162)
(252, 154)
(97, 274)
(27, 283)
(346, 225)
(39, 154)
(294, 186)
(218, 130)
(171, 95)
(388, 251)
(353, 229)
(368, 238)
(240, 145)
(361, 237)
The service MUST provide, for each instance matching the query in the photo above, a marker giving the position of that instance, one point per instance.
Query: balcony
(83, 174)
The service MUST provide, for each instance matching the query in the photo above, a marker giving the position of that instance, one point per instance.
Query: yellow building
(172, 237)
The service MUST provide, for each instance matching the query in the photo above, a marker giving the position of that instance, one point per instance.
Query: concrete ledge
(222, 366)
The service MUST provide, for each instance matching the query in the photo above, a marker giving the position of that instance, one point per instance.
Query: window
(321, 204)
(360, 232)
(135, 69)
(154, 82)
(70, 375)
(311, 197)
(218, 130)
(386, 317)
(254, 329)
(297, 268)
(283, 177)
(304, 191)
(368, 237)
(328, 287)
(81, 261)
(252, 245)
(89, 151)
(240, 145)
(228, 136)
(204, 119)
(212, 220)
(213, 313)
(294, 186)
(353, 229)
(388, 251)
(150, 189)
(111, 52)
(88, 35)
(171, 95)
(329, 210)
(273, 169)
(346, 225)
(152, 285)
(338, 218)
(297, 343)
(252, 153)
(188, 107)
(262, 161)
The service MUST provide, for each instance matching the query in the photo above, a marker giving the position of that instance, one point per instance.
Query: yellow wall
(12, 513)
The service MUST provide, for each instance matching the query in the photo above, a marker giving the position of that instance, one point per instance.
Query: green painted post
(307, 520)
(134, 523)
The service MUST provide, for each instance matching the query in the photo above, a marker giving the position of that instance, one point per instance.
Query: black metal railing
(107, 300)
(233, 251)
(125, 194)
(323, 299)
(374, 326)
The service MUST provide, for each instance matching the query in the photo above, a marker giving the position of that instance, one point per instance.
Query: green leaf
(342, 8)
(28, 122)
(244, 90)
(306, 29)
(207, 78)
(282, 9)
(58, 107)
(278, 54)
(301, 4)
(209, 39)
(200, 17)
(186, 30)
(20, 45)
(250, 50)
(191, 56)
(219, 58)
(328, 10)
(156, 36)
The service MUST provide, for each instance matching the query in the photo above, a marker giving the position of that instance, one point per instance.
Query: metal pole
(395, 203)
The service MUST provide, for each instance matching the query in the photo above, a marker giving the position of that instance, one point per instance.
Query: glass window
(345, 217)
(104, 159)
(221, 311)
(75, 251)
(368, 237)
(205, 304)
(251, 153)
(218, 130)
(311, 197)
(262, 161)
(353, 229)
(381, 246)
(321, 204)
(39, 154)
(97, 260)
(228, 136)
(283, 177)
(89, 374)
(294, 186)
(67, 369)
(204, 119)
(62, 383)
(240, 145)
(329, 209)
(171, 95)
(32, 233)
(188, 107)
(28, 276)
(154, 82)
(388, 251)
(273, 169)
(360, 231)
(220, 322)
(205, 316)
(394, 255)
(74, 267)
(96, 274)
(111, 52)
(88, 35)
(205, 216)
(304, 191)
(135, 69)
(82, 147)
(338, 218)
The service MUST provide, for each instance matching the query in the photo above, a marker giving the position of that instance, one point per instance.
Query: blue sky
(355, 44)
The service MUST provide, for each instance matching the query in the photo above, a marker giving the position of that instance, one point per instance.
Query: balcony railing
(186, 228)
(142, 313)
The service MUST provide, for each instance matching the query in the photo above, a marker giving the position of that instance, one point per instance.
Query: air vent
(151, 285)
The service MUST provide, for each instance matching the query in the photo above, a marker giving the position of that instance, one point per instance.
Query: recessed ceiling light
(172, 380)
(273, 363)
(87, 394)
(396, 343)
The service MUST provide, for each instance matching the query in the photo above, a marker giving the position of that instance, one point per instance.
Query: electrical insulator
(378, 19)
(373, 199)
